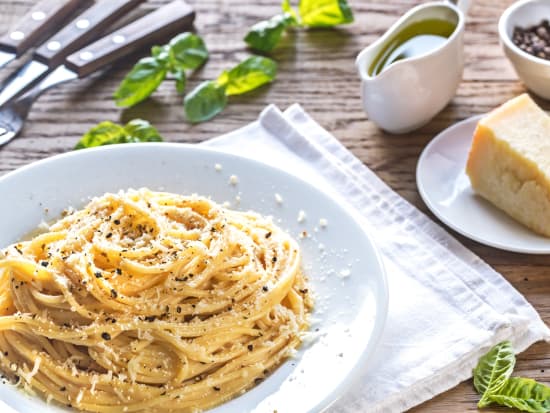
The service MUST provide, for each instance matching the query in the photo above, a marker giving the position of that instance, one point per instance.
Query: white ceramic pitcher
(408, 93)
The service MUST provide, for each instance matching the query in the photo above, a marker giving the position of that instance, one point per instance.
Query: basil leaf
(288, 9)
(205, 101)
(139, 130)
(265, 35)
(248, 75)
(492, 371)
(187, 51)
(144, 78)
(160, 52)
(181, 80)
(325, 13)
(102, 134)
(523, 394)
(109, 133)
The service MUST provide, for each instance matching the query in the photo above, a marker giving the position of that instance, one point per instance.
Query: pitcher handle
(463, 5)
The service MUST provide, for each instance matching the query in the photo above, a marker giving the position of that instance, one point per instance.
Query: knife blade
(19, 80)
(39, 22)
(5, 58)
(156, 26)
(76, 34)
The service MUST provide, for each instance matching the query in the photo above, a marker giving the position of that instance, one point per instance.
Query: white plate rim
(358, 370)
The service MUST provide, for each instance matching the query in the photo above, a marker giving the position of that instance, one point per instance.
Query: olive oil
(414, 40)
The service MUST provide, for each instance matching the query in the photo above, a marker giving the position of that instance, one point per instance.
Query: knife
(156, 26)
(76, 34)
(38, 23)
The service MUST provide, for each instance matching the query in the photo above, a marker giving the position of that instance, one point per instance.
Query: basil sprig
(524, 394)
(205, 101)
(109, 133)
(265, 35)
(210, 97)
(324, 13)
(186, 51)
(492, 371)
(493, 381)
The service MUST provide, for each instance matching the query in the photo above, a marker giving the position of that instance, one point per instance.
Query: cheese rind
(509, 162)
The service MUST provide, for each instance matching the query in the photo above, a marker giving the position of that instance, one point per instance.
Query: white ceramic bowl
(350, 309)
(532, 70)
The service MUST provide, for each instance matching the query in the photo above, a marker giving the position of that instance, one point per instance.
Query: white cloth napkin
(447, 306)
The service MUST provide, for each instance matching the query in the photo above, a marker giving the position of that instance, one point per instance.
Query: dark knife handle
(166, 21)
(82, 30)
(42, 20)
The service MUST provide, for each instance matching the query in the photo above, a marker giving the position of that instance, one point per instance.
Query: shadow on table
(328, 40)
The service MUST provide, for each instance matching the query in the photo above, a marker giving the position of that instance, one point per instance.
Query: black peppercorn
(534, 40)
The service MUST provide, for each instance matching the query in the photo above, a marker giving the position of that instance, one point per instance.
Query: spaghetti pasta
(148, 301)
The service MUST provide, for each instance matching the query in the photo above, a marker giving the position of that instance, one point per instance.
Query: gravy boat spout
(407, 93)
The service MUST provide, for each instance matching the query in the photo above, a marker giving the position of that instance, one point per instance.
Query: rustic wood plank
(315, 69)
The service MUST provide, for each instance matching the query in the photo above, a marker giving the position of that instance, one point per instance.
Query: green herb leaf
(181, 80)
(160, 52)
(139, 130)
(325, 13)
(143, 79)
(492, 371)
(210, 98)
(248, 75)
(109, 133)
(523, 394)
(287, 8)
(265, 35)
(205, 101)
(102, 134)
(187, 51)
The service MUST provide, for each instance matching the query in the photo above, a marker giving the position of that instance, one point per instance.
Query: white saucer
(445, 188)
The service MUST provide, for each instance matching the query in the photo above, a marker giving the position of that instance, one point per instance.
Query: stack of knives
(76, 49)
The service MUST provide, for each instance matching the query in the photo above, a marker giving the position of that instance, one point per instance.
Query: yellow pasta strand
(150, 302)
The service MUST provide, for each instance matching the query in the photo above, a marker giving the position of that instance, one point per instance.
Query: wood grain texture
(315, 69)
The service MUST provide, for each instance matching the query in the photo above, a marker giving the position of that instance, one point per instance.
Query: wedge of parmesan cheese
(509, 162)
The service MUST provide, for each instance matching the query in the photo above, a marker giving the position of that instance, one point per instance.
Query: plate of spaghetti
(172, 278)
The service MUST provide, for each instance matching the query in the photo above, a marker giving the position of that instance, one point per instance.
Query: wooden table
(315, 69)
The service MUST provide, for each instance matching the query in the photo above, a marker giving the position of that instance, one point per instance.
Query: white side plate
(341, 260)
(445, 188)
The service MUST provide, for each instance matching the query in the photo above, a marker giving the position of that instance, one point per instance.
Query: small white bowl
(532, 70)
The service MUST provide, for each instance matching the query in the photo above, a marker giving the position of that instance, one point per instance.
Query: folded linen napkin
(447, 307)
